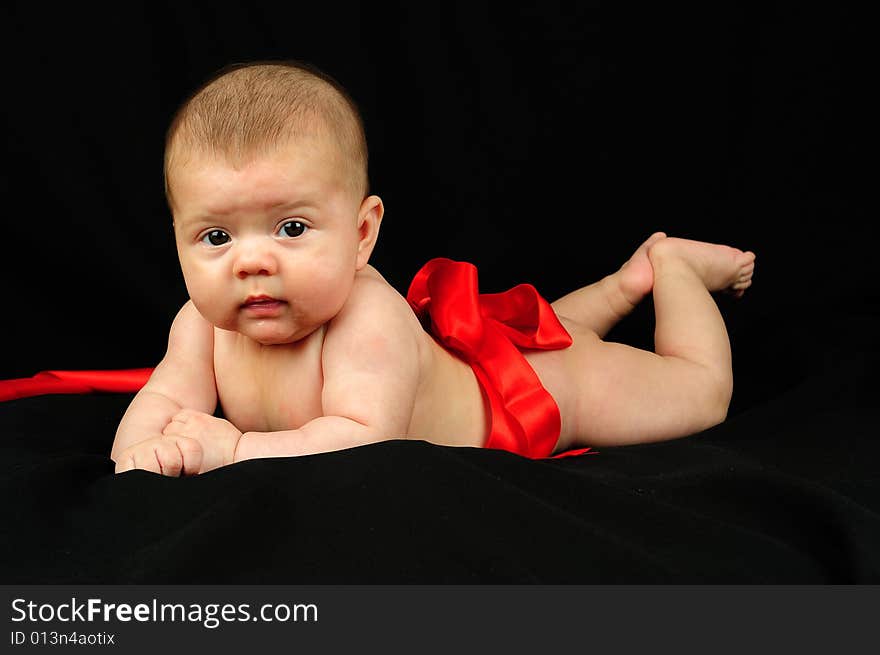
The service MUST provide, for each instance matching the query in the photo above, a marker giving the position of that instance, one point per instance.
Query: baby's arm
(371, 374)
(183, 379)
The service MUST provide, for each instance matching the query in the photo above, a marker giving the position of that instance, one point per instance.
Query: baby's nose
(254, 259)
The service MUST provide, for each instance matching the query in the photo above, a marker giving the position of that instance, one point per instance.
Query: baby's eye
(216, 238)
(293, 229)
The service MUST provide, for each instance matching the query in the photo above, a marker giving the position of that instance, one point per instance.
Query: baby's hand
(172, 456)
(216, 436)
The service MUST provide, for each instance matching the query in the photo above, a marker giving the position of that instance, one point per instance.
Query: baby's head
(266, 177)
(250, 110)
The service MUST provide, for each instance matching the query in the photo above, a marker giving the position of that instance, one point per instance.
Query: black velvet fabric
(542, 142)
(785, 491)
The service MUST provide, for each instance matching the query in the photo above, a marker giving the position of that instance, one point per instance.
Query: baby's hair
(250, 109)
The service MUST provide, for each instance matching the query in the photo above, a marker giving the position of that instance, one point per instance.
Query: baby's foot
(635, 279)
(721, 268)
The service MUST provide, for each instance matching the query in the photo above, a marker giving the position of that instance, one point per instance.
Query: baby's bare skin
(275, 388)
(614, 394)
(333, 357)
(254, 382)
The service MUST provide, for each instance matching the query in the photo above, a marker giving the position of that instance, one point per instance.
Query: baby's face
(269, 250)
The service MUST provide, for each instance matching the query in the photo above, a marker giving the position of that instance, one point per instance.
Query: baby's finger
(174, 427)
(184, 414)
(168, 458)
(189, 452)
(125, 463)
(143, 457)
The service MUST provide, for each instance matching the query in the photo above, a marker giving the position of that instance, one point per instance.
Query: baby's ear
(369, 220)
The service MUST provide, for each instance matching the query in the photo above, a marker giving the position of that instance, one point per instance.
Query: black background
(542, 141)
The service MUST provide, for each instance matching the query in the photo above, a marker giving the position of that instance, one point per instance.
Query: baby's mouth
(262, 304)
(260, 300)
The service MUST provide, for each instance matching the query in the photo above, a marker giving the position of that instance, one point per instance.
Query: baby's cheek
(213, 312)
(329, 297)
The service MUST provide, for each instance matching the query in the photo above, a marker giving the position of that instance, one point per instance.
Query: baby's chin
(276, 338)
(273, 341)
(276, 331)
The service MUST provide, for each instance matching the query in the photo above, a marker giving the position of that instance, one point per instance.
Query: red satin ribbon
(46, 382)
(488, 331)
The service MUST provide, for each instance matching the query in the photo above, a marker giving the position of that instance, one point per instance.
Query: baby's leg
(602, 304)
(624, 395)
(688, 323)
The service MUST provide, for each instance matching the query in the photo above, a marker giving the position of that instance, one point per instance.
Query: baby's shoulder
(373, 295)
(376, 332)
(190, 331)
(374, 305)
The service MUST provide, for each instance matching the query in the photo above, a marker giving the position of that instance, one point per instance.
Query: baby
(308, 349)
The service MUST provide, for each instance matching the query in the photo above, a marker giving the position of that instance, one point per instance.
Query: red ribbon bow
(487, 331)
